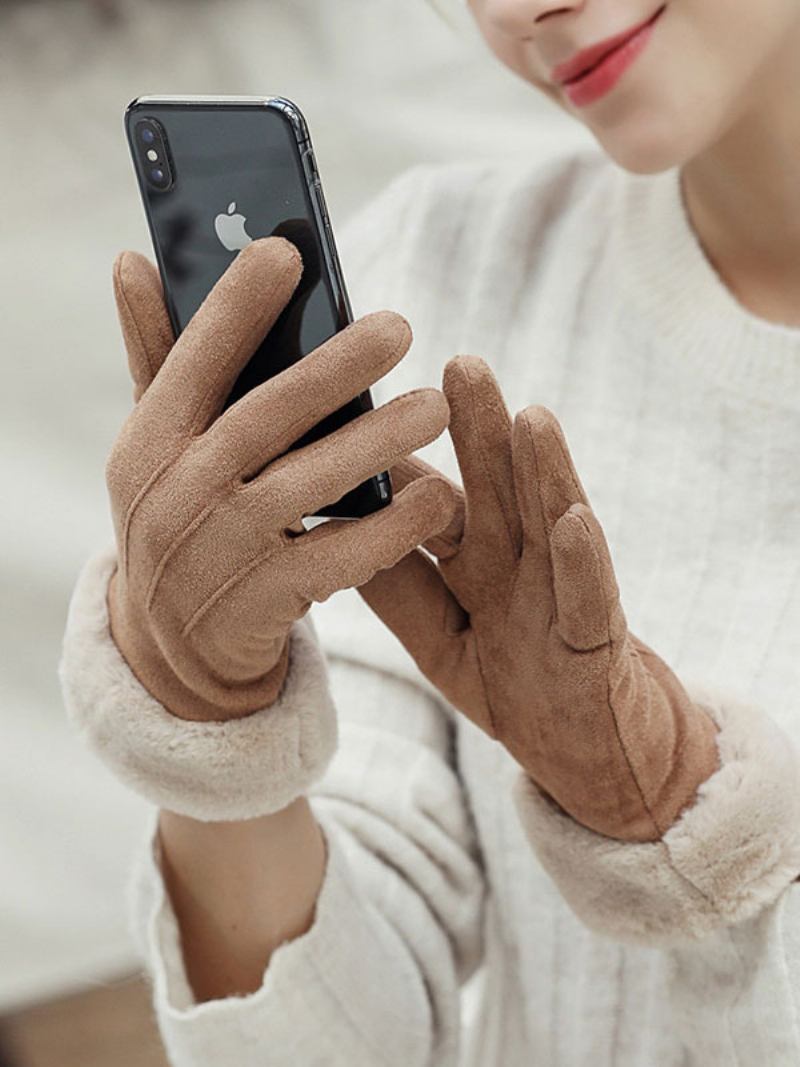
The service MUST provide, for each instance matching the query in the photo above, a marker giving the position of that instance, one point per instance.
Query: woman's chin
(638, 160)
(646, 145)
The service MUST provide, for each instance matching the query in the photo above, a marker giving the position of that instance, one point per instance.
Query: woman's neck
(743, 198)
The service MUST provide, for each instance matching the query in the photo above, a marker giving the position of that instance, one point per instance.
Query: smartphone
(214, 174)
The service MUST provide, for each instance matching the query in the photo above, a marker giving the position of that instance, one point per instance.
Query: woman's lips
(595, 71)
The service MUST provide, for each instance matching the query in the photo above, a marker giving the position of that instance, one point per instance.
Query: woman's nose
(519, 18)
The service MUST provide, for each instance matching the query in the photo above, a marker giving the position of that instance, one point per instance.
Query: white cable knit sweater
(586, 290)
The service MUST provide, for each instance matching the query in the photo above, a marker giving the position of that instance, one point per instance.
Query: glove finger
(445, 544)
(306, 480)
(480, 427)
(267, 421)
(546, 485)
(345, 555)
(200, 371)
(339, 555)
(588, 609)
(146, 328)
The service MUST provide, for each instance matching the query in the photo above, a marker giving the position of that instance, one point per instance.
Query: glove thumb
(143, 317)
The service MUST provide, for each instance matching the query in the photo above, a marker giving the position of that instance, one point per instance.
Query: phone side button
(384, 486)
(310, 166)
(319, 200)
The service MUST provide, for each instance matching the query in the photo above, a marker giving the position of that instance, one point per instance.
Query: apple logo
(230, 229)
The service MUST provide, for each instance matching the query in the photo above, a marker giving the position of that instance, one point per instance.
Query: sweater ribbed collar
(688, 310)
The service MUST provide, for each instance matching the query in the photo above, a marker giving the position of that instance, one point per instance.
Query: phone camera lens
(152, 150)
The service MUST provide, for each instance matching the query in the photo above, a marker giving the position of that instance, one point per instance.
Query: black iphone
(217, 172)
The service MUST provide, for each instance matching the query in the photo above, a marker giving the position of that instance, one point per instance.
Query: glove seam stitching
(136, 503)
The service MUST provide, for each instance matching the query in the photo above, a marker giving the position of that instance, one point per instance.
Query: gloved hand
(210, 578)
(520, 626)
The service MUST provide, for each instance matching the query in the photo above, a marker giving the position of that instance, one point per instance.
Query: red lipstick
(594, 71)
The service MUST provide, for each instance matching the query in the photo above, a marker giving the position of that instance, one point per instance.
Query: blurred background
(384, 84)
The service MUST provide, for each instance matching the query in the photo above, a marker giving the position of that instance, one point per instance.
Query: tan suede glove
(210, 578)
(520, 626)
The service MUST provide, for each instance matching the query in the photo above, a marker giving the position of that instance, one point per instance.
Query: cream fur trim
(729, 855)
(212, 771)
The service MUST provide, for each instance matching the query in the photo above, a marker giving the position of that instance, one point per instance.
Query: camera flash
(152, 155)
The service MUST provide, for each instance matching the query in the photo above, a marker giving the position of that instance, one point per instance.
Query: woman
(582, 775)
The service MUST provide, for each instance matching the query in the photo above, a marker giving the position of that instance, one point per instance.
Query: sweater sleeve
(730, 855)
(734, 996)
(397, 927)
(719, 894)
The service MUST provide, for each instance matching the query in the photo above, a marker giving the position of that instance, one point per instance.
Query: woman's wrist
(239, 890)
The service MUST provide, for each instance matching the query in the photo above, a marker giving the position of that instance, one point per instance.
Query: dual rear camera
(151, 142)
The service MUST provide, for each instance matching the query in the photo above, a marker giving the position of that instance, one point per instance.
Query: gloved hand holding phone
(211, 576)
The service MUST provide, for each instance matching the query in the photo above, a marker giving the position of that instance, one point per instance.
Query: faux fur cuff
(212, 771)
(729, 855)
